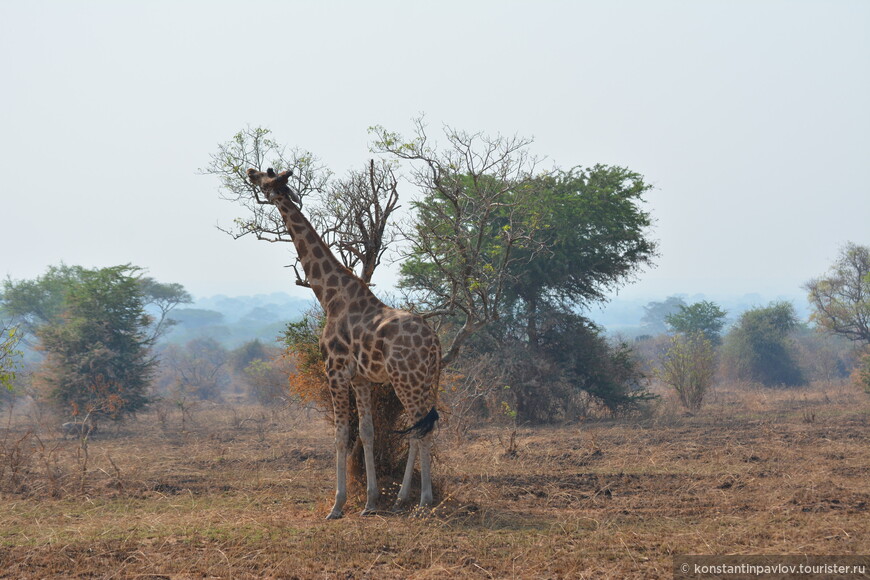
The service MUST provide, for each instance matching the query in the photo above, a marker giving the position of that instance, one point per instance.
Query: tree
(33, 303)
(355, 217)
(267, 379)
(98, 350)
(689, 366)
(705, 318)
(467, 224)
(162, 298)
(241, 357)
(593, 229)
(655, 315)
(352, 215)
(758, 348)
(841, 299)
(861, 374)
(263, 369)
(494, 241)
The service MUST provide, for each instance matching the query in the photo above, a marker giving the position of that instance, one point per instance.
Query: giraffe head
(273, 184)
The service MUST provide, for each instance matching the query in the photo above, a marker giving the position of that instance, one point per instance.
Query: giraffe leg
(367, 436)
(405, 489)
(425, 445)
(342, 438)
(341, 407)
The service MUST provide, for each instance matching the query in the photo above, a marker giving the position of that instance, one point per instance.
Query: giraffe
(363, 342)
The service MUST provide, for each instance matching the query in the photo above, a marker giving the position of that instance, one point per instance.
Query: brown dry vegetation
(243, 493)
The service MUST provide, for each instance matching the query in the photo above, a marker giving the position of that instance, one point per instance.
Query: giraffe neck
(333, 283)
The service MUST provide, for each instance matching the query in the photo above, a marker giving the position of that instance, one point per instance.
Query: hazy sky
(752, 120)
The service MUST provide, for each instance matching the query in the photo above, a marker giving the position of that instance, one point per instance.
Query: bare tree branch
(352, 215)
(457, 263)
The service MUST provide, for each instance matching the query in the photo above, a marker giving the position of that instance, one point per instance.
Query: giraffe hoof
(335, 515)
(369, 512)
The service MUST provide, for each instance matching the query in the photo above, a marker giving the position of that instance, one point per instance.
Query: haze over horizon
(750, 118)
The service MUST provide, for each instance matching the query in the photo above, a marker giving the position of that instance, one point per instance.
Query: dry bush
(822, 356)
(267, 380)
(689, 366)
(473, 392)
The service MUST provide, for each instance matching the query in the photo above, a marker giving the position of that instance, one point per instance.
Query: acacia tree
(496, 246)
(841, 298)
(704, 318)
(593, 230)
(353, 215)
(757, 348)
(98, 351)
(30, 304)
(655, 314)
(468, 225)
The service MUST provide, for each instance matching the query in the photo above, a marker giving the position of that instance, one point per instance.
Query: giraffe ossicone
(363, 342)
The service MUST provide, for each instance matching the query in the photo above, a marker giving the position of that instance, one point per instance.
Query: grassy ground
(242, 494)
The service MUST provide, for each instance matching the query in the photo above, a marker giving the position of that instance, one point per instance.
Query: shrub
(759, 347)
(689, 366)
(572, 367)
(268, 380)
(197, 369)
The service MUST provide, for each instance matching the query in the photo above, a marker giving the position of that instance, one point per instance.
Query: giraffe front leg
(342, 438)
(363, 391)
(341, 410)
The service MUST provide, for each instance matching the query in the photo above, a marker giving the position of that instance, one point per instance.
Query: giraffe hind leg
(405, 489)
(425, 445)
(419, 445)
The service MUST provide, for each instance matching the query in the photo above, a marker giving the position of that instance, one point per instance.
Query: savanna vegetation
(240, 491)
(563, 451)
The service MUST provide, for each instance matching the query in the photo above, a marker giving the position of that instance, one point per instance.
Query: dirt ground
(242, 491)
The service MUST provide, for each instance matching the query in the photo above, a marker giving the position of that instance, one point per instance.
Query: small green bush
(689, 366)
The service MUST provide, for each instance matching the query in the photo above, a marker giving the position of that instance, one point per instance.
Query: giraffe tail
(424, 426)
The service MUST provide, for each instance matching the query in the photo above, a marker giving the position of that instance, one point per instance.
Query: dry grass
(242, 494)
